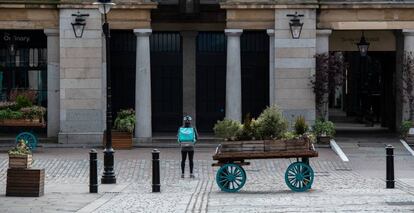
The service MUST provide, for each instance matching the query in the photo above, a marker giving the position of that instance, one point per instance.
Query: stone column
(271, 33)
(322, 47)
(408, 48)
(81, 79)
(189, 74)
(233, 75)
(53, 82)
(295, 64)
(322, 41)
(143, 127)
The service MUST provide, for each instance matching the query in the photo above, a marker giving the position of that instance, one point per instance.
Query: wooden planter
(266, 145)
(22, 122)
(323, 139)
(120, 140)
(25, 182)
(20, 161)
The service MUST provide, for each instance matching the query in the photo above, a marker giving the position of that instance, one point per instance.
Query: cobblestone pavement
(338, 186)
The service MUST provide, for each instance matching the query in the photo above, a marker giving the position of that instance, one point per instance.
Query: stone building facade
(76, 74)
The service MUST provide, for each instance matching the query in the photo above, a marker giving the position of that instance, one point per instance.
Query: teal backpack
(186, 135)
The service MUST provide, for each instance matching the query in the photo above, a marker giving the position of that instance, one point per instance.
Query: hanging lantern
(295, 25)
(79, 24)
(363, 45)
(104, 6)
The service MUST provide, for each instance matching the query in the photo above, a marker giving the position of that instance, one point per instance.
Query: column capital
(51, 32)
(233, 32)
(408, 32)
(270, 32)
(142, 32)
(323, 32)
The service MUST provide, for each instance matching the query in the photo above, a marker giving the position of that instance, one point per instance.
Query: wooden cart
(231, 156)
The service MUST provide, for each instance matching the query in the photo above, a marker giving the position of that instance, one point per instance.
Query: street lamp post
(108, 175)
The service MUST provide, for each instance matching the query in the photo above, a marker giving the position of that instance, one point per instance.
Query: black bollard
(390, 166)
(156, 171)
(93, 171)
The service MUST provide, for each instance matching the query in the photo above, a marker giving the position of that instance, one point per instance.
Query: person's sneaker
(182, 175)
(191, 176)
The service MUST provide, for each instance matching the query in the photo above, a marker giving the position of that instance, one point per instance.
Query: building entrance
(368, 92)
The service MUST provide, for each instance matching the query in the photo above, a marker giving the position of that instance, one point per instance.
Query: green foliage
(289, 135)
(227, 129)
(33, 112)
(125, 121)
(9, 114)
(247, 132)
(405, 127)
(20, 149)
(271, 124)
(300, 125)
(324, 128)
(23, 101)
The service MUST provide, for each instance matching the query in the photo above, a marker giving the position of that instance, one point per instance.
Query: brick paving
(338, 186)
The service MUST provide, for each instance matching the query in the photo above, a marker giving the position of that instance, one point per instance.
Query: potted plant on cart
(324, 131)
(20, 156)
(123, 128)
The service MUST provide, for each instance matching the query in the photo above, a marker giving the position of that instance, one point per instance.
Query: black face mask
(187, 124)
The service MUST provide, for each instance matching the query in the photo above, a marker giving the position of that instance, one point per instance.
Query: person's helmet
(187, 119)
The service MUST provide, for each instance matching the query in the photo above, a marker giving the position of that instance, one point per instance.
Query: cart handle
(218, 148)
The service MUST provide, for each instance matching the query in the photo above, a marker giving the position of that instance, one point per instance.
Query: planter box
(323, 139)
(20, 161)
(120, 140)
(25, 182)
(22, 122)
(410, 139)
(265, 145)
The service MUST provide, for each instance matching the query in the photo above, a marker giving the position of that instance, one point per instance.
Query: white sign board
(411, 131)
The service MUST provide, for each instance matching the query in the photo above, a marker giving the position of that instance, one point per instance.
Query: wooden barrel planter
(120, 140)
(20, 161)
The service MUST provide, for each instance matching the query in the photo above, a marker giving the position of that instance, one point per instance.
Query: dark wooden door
(210, 79)
(255, 72)
(123, 62)
(166, 81)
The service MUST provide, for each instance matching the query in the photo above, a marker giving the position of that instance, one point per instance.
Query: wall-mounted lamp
(363, 45)
(295, 25)
(12, 49)
(79, 24)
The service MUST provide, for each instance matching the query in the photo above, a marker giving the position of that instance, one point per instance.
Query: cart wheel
(29, 138)
(231, 177)
(299, 177)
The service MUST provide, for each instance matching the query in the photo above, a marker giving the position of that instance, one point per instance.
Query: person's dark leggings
(183, 159)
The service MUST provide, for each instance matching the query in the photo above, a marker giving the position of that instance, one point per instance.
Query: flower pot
(120, 140)
(323, 140)
(20, 161)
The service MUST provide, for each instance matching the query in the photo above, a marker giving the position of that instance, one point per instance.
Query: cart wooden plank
(233, 156)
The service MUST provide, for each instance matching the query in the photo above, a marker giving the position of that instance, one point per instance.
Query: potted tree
(20, 156)
(324, 131)
(123, 128)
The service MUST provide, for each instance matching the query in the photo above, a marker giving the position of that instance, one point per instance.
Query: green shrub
(248, 132)
(9, 114)
(33, 112)
(271, 124)
(404, 128)
(20, 149)
(125, 121)
(289, 135)
(324, 128)
(300, 125)
(23, 101)
(227, 129)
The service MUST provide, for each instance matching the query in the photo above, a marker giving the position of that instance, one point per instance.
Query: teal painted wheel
(29, 138)
(231, 177)
(299, 177)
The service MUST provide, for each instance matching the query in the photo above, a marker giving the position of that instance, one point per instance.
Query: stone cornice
(266, 6)
(365, 4)
(72, 4)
